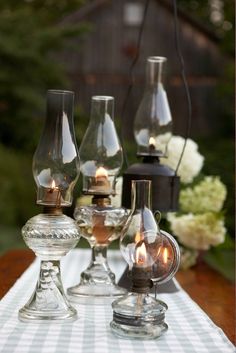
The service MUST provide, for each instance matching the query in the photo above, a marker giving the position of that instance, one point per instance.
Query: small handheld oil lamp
(138, 315)
(52, 234)
(99, 223)
(152, 131)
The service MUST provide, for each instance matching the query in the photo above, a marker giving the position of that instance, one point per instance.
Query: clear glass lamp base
(138, 316)
(48, 301)
(50, 237)
(97, 281)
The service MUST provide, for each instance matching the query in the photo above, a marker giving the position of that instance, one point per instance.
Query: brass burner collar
(52, 210)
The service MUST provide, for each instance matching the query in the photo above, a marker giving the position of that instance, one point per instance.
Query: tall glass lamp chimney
(153, 121)
(100, 150)
(56, 160)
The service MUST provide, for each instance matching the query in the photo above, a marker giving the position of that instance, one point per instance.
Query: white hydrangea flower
(208, 195)
(198, 231)
(188, 257)
(192, 161)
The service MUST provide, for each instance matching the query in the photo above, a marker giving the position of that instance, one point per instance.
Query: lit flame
(141, 254)
(53, 186)
(165, 255)
(137, 237)
(101, 173)
(152, 142)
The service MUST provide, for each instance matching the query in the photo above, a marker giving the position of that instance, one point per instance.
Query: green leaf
(222, 259)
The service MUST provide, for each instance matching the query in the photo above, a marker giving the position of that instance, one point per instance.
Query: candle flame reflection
(165, 255)
(137, 237)
(159, 251)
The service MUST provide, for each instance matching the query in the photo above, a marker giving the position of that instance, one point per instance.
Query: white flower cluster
(198, 231)
(188, 257)
(116, 200)
(208, 195)
(192, 160)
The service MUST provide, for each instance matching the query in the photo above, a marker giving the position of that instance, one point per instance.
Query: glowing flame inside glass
(152, 142)
(141, 255)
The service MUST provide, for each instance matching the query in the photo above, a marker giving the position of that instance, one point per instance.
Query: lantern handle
(157, 215)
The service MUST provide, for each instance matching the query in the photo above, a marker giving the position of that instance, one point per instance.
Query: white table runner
(190, 329)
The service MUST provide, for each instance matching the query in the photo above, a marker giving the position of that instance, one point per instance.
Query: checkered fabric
(190, 329)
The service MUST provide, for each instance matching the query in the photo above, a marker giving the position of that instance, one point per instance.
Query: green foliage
(49, 10)
(218, 150)
(17, 187)
(32, 34)
(219, 160)
(17, 202)
(10, 237)
(222, 259)
(217, 17)
(30, 38)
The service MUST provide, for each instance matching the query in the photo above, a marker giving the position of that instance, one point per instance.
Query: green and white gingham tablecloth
(190, 329)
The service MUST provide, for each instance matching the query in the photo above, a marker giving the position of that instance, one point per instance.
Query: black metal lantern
(165, 184)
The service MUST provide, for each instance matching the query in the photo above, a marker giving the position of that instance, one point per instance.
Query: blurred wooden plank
(12, 265)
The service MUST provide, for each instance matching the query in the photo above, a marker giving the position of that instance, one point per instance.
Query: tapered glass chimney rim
(60, 91)
(102, 98)
(156, 59)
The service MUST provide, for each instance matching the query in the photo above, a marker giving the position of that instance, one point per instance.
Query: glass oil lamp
(51, 234)
(99, 223)
(152, 131)
(138, 315)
